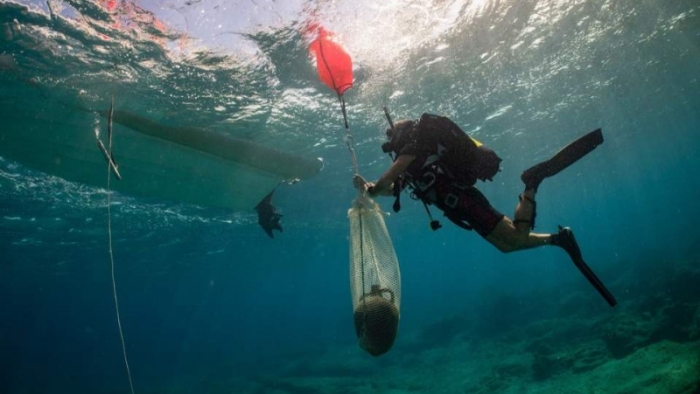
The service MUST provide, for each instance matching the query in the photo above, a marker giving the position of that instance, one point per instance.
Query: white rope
(114, 283)
(111, 251)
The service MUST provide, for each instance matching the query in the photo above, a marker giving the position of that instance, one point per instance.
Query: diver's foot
(565, 239)
(533, 176)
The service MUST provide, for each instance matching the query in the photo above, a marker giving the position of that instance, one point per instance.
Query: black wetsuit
(451, 190)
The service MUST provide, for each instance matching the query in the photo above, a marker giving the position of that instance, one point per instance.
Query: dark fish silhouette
(268, 217)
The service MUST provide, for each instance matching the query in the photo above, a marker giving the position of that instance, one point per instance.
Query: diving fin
(565, 240)
(570, 154)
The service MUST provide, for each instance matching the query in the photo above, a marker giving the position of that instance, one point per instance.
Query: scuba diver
(440, 164)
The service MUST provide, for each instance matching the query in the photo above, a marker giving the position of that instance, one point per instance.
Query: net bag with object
(375, 280)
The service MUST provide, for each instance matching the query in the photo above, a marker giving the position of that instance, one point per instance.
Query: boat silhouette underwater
(182, 164)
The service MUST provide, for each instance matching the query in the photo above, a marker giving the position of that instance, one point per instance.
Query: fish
(268, 217)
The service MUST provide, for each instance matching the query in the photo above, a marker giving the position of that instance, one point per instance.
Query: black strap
(531, 221)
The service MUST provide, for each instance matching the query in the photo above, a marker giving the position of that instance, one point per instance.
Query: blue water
(210, 304)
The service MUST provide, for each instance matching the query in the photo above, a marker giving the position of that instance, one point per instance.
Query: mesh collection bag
(375, 281)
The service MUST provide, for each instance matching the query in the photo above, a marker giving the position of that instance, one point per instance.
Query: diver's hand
(360, 183)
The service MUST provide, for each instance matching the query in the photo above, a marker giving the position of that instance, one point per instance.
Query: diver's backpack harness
(453, 155)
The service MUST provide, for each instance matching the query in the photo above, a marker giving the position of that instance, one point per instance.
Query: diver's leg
(508, 238)
(525, 211)
(470, 205)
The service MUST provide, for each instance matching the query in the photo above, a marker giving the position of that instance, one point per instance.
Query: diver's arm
(384, 185)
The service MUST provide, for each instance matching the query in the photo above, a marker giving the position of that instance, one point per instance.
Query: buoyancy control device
(440, 146)
(465, 158)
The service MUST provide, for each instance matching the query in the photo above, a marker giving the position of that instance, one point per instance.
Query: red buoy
(332, 62)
